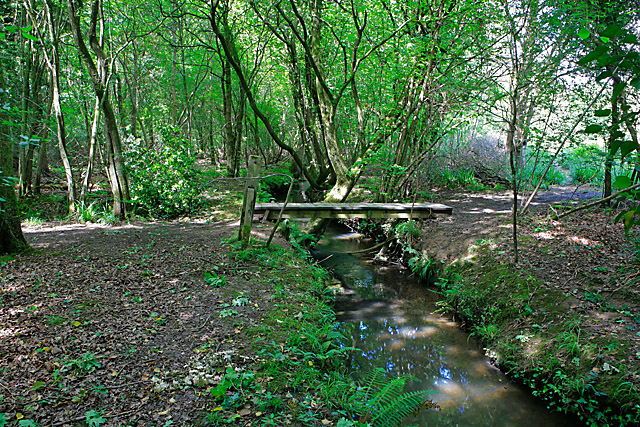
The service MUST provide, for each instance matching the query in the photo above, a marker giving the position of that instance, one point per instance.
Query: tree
(52, 59)
(11, 237)
(100, 77)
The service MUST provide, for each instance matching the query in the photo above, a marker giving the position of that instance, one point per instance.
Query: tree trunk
(99, 76)
(92, 151)
(608, 162)
(11, 237)
(228, 134)
(54, 68)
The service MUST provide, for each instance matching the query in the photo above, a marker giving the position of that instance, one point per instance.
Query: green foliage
(95, 212)
(385, 402)
(616, 52)
(425, 268)
(212, 279)
(228, 312)
(94, 418)
(240, 301)
(275, 180)
(407, 228)
(299, 239)
(534, 166)
(586, 164)
(164, 179)
(454, 178)
(84, 365)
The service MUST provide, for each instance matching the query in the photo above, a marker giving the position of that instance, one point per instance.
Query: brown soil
(120, 319)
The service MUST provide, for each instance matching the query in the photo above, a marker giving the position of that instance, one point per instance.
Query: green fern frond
(393, 413)
(388, 394)
(386, 403)
(374, 381)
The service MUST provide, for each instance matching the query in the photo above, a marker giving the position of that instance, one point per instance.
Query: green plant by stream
(507, 308)
(300, 373)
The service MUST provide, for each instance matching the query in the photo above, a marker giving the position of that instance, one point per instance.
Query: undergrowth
(526, 328)
(300, 375)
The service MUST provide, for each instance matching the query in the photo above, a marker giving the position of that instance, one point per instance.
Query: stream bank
(564, 321)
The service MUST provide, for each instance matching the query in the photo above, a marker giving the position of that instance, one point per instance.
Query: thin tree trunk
(54, 68)
(608, 162)
(99, 76)
(92, 151)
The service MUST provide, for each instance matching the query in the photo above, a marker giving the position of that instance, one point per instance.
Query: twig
(161, 292)
(83, 418)
(324, 259)
(204, 324)
(597, 202)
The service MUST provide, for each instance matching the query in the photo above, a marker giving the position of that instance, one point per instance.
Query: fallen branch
(606, 199)
(372, 247)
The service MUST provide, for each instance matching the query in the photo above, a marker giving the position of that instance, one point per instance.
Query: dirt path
(484, 216)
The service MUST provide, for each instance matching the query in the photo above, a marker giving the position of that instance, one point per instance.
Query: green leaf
(604, 75)
(617, 90)
(593, 129)
(29, 36)
(592, 56)
(626, 148)
(622, 182)
(630, 38)
(584, 33)
(629, 220)
(602, 113)
(635, 83)
(615, 146)
(611, 31)
(605, 60)
(604, 39)
(3, 420)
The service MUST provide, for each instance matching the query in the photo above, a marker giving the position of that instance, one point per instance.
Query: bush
(164, 180)
(276, 184)
(586, 163)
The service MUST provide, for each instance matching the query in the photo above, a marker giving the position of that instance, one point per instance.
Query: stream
(390, 317)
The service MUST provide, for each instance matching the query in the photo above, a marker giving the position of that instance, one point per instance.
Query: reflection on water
(392, 321)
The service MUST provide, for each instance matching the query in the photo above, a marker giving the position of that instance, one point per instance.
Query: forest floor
(139, 323)
(136, 324)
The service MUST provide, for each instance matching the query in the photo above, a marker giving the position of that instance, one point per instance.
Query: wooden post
(249, 201)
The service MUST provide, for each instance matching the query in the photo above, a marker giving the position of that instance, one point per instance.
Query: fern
(386, 402)
(405, 405)
(424, 267)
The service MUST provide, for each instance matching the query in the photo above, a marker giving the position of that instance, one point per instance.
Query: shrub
(163, 178)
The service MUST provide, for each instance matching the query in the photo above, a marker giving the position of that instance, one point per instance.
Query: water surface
(392, 319)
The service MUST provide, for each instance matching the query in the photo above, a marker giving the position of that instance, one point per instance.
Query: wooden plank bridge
(351, 210)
